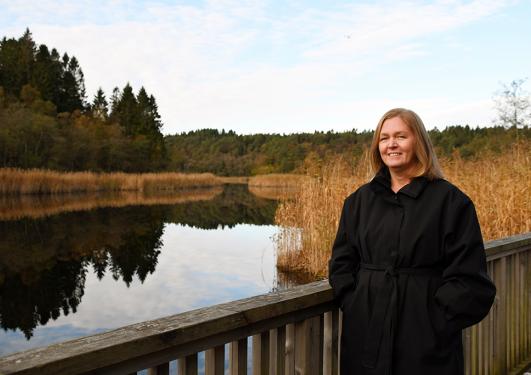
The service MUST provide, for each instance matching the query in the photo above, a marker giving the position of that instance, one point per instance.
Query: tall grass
(36, 181)
(499, 186)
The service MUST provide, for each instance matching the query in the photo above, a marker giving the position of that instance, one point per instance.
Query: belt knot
(391, 271)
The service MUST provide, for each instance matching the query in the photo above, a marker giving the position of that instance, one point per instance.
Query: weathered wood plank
(506, 246)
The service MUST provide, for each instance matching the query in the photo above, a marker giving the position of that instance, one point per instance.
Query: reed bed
(284, 180)
(36, 181)
(499, 186)
(30, 206)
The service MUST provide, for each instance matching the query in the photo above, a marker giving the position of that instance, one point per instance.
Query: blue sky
(291, 66)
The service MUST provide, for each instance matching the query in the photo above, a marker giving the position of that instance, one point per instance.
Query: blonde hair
(427, 164)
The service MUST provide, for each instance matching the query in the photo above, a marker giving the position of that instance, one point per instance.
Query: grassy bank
(498, 184)
(36, 181)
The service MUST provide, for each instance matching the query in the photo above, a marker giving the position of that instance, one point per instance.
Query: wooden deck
(294, 331)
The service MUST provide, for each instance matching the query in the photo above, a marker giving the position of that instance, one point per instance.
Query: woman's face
(397, 145)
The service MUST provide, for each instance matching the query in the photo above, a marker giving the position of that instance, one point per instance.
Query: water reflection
(30, 206)
(48, 262)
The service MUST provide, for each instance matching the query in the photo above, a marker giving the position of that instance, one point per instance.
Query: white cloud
(229, 64)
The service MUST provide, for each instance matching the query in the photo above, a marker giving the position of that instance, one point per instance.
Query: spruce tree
(99, 105)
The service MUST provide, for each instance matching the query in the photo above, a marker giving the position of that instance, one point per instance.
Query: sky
(291, 66)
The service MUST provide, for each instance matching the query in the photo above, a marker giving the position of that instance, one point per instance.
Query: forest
(47, 122)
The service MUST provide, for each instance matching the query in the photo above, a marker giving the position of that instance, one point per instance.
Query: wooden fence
(294, 331)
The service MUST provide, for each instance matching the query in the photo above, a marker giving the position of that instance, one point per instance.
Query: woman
(408, 265)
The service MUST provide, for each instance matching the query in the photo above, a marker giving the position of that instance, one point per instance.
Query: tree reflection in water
(44, 261)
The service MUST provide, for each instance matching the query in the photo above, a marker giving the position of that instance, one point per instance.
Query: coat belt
(386, 302)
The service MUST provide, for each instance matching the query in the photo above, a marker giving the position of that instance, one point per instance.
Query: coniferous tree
(127, 111)
(99, 105)
(47, 74)
(16, 62)
(73, 85)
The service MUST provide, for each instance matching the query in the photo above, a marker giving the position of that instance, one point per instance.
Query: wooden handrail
(148, 344)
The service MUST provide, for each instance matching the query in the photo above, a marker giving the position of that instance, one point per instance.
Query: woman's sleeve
(344, 260)
(467, 292)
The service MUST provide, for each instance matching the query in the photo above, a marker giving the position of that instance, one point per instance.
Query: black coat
(409, 273)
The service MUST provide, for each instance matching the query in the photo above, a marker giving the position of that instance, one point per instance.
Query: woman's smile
(397, 145)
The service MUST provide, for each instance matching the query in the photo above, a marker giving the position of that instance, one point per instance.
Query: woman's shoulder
(447, 189)
(359, 194)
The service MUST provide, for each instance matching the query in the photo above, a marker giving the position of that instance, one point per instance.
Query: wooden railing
(294, 331)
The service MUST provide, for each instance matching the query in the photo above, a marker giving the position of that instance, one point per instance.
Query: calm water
(84, 265)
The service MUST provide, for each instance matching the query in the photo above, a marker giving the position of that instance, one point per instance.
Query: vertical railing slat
(215, 360)
(307, 347)
(163, 369)
(290, 349)
(238, 357)
(188, 365)
(261, 353)
(277, 351)
(501, 330)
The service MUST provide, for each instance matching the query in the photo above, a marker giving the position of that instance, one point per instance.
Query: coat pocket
(437, 318)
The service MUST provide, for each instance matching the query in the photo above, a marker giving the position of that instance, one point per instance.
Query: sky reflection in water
(193, 267)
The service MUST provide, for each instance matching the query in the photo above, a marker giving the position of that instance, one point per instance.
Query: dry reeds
(499, 186)
(36, 181)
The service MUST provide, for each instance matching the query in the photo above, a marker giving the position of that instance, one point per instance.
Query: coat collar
(382, 182)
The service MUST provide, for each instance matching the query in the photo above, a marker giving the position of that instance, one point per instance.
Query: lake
(73, 266)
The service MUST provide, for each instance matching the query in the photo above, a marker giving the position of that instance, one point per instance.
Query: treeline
(227, 153)
(47, 122)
